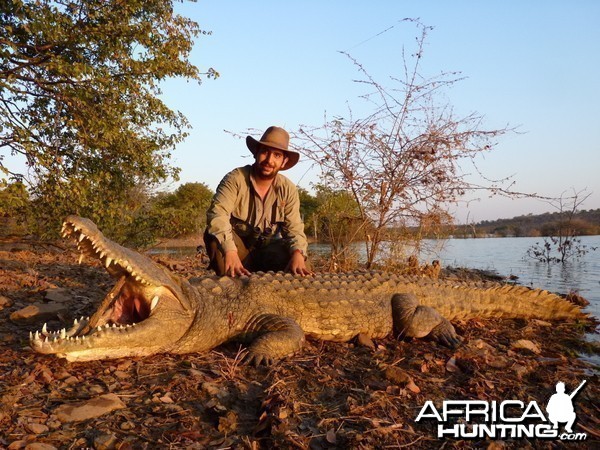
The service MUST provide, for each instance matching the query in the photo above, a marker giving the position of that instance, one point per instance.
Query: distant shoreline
(197, 239)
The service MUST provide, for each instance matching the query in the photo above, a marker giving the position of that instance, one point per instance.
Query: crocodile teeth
(107, 262)
(154, 302)
(81, 237)
(80, 259)
(63, 333)
(44, 329)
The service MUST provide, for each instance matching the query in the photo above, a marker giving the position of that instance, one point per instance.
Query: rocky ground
(328, 396)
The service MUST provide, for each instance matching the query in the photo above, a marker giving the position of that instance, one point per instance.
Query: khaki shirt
(236, 199)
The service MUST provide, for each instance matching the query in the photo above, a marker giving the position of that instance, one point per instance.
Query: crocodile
(151, 310)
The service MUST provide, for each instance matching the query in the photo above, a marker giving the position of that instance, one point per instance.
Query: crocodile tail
(501, 301)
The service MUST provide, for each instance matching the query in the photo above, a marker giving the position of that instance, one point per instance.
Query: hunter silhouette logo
(560, 406)
(513, 419)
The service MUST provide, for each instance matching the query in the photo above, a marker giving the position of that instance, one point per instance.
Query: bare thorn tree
(403, 162)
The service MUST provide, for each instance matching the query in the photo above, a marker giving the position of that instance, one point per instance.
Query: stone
(527, 345)
(166, 398)
(95, 389)
(5, 302)
(401, 378)
(105, 441)
(93, 408)
(71, 380)
(37, 428)
(38, 313)
(126, 426)
(122, 375)
(58, 295)
(40, 446)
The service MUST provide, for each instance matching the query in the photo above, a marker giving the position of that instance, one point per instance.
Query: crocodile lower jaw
(128, 321)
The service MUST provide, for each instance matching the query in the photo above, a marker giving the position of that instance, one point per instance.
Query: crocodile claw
(449, 341)
(445, 334)
(257, 359)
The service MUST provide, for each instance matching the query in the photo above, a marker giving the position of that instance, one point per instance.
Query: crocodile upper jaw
(132, 319)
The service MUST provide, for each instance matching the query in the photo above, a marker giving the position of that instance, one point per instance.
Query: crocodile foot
(277, 338)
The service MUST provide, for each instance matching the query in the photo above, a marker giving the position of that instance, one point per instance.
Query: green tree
(15, 208)
(182, 212)
(14, 200)
(308, 210)
(79, 101)
(339, 223)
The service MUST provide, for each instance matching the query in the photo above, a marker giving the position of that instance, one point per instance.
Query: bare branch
(403, 161)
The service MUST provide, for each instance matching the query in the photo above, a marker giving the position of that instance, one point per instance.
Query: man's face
(269, 161)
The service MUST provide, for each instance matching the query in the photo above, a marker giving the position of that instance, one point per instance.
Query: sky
(534, 65)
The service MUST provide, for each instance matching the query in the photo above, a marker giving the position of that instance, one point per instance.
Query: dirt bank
(328, 396)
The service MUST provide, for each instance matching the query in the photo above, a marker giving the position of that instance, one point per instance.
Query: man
(254, 220)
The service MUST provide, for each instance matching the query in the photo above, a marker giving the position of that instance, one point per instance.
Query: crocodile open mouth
(138, 292)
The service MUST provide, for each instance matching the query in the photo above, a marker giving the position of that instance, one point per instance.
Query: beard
(265, 171)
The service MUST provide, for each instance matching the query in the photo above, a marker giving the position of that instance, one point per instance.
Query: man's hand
(233, 264)
(297, 264)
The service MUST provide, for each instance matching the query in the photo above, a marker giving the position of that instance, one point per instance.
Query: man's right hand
(233, 264)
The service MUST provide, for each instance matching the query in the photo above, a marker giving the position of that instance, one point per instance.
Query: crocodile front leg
(276, 337)
(411, 319)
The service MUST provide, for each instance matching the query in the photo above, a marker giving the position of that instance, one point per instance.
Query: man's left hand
(297, 265)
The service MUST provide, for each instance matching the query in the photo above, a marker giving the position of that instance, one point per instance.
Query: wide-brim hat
(276, 138)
